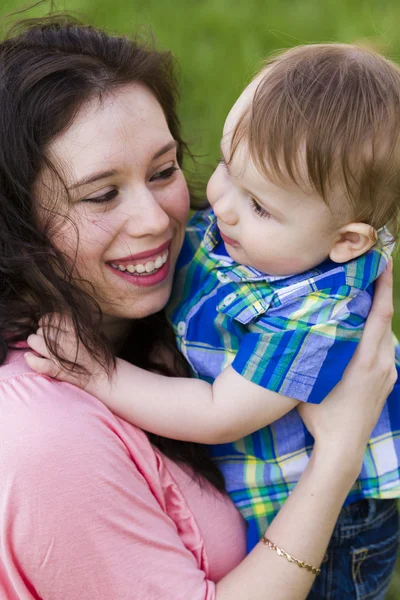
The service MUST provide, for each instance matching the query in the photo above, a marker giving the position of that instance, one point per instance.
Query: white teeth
(148, 267)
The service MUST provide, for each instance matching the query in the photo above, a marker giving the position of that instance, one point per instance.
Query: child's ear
(352, 241)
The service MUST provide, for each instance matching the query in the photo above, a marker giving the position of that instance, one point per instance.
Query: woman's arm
(90, 528)
(341, 426)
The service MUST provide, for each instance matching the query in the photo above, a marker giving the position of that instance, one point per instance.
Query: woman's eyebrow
(105, 174)
(171, 145)
(92, 178)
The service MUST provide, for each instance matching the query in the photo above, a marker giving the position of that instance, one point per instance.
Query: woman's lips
(144, 279)
(140, 256)
(229, 241)
(144, 269)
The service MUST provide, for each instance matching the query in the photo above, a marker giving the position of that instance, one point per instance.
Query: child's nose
(219, 194)
(224, 209)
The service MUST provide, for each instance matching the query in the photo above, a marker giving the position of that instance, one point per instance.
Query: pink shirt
(90, 510)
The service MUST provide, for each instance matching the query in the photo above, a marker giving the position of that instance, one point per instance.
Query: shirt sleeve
(301, 349)
(78, 518)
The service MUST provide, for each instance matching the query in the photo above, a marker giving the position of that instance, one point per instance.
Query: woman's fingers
(346, 418)
(375, 352)
(378, 326)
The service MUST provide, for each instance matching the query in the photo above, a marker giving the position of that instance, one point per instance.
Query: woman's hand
(341, 425)
(346, 418)
(61, 331)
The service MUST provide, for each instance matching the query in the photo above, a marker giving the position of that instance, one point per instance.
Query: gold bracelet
(291, 559)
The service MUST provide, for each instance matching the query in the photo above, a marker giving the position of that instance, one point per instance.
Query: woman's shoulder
(81, 481)
(86, 486)
(22, 389)
(15, 363)
(41, 417)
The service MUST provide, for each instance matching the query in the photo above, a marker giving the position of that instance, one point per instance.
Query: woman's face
(129, 202)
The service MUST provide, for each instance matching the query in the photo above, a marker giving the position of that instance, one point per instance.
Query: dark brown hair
(328, 117)
(49, 69)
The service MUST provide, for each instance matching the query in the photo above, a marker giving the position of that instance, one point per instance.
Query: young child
(275, 282)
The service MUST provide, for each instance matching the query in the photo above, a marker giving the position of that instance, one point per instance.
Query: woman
(90, 506)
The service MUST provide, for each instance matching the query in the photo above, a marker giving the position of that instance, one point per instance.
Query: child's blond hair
(331, 111)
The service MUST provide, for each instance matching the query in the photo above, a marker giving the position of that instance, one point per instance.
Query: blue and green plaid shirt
(294, 335)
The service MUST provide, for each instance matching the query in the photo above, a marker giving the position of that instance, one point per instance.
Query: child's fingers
(44, 366)
(67, 348)
(55, 320)
(50, 331)
(37, 343)
(50, 319)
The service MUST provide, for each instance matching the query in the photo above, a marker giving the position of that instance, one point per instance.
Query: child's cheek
(282, 265)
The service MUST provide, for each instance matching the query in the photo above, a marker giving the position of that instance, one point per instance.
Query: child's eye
(164, 174)
(221, 162)
(103, 198)
(259, 210)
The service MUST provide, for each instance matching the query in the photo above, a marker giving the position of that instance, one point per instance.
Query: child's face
(278, 230)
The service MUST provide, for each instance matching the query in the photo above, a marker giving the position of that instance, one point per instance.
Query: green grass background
(219, 44)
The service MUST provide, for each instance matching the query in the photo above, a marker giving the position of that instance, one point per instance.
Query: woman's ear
(352, 241)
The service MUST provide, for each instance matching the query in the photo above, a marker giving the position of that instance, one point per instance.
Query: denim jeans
(362, 553)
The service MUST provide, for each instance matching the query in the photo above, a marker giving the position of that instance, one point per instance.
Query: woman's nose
(148, 218)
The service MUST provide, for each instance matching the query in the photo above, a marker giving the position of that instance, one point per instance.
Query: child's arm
(174, 407)
(190, 409)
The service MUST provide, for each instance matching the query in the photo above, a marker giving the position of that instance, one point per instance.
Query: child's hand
(60, 329)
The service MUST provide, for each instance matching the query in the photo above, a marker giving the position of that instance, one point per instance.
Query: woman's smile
(149, 269)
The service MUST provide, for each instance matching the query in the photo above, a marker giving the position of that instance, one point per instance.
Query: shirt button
(181, 327)
(229, 299)
(222, 277)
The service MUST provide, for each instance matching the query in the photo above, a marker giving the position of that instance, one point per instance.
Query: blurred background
(220, 44)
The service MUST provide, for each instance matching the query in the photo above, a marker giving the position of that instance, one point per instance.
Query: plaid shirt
(294, 335)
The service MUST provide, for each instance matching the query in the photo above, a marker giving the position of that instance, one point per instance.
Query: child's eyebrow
(222, 156)
(267, 205)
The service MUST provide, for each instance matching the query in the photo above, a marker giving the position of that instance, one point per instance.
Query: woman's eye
(259, 210)
(103, 198)
(165, 173)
